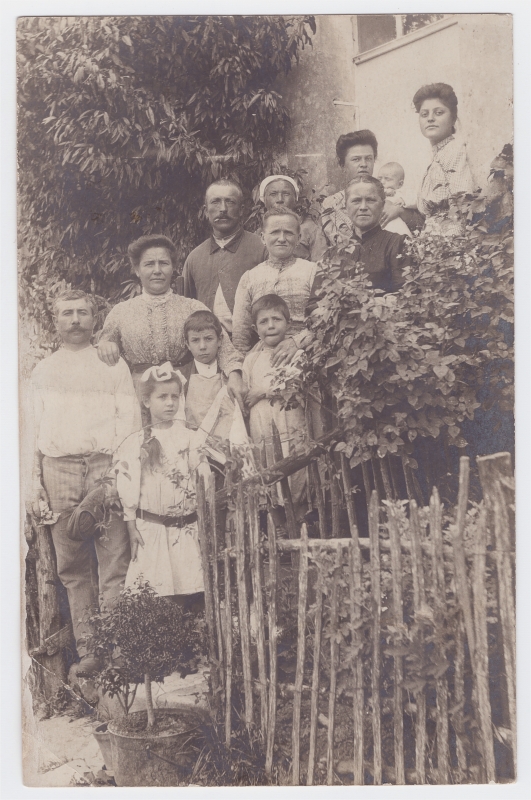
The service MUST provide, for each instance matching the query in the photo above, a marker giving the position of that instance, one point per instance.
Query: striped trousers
(94, 570)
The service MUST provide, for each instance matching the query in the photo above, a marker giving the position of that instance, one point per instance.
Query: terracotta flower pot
(103, 738)
(164, 757)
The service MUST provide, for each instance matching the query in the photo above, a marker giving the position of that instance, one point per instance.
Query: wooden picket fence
(429, 608)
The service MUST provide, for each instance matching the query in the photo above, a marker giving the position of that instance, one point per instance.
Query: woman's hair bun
(436, 91)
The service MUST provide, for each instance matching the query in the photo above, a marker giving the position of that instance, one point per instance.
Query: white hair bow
(162, 372)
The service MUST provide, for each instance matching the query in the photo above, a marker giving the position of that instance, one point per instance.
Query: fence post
(374, 533)
(419, 601)
(256, 574)
(228, 642)
(52, 672)
(504, 571)
(439, 594)
(210, 497)
(314, 705)
(396, 575)
(272, 622)
(301, 647)
(461, 578)
(204, 527)
(481, 658)
(243, 607)
(356, 634)
(334, 652)
(495, 474)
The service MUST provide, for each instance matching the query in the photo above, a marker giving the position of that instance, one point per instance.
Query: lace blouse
(149, 329)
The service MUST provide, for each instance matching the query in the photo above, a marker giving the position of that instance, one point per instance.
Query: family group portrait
(266, 382)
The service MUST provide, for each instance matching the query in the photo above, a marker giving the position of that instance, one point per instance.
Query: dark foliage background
(123, 123)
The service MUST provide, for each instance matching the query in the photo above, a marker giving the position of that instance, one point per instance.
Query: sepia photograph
(265, 274)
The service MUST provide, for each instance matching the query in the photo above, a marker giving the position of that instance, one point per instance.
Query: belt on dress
(167, 520)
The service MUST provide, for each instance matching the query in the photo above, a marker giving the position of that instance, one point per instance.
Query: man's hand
(33, 505)
(135, 538)
(235, 388)
(109, 353)
(284, 352)
(390, 212)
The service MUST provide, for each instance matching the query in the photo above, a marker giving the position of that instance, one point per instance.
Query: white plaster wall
(474, 56)
(385, 86)
(485, 45)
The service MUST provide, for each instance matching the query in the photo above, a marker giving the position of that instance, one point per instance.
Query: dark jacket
(380, 252)
(209, 265)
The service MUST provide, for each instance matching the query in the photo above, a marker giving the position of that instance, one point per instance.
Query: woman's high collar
(436, 147)
(281, 263)
(156, 298)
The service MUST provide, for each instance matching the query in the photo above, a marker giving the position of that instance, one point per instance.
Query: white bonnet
(272, 178)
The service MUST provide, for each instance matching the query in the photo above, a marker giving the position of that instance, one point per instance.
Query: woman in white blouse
(449, 172)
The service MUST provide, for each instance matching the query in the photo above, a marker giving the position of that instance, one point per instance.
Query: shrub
(144, 638)
(422, 360)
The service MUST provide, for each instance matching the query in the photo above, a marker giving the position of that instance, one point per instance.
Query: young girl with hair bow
(156, 483)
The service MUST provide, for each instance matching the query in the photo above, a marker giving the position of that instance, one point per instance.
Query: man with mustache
(213, 270)
(83, 410)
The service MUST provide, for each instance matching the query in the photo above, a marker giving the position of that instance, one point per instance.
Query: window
(376, 29)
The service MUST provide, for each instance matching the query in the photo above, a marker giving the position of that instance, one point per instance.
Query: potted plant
(144, 638)
(114, 682)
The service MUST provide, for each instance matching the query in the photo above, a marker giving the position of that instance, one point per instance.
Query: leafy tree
(419, 362)
(123, 123)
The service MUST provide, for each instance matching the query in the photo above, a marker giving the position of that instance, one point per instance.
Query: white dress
(170, 559)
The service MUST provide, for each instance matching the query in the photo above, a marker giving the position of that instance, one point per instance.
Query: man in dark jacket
(213, 270)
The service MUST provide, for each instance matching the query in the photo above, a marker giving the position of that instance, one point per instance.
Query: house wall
(472, 52)
(325, 72)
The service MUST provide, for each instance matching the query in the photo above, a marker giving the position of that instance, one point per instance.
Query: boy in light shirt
(209, 410)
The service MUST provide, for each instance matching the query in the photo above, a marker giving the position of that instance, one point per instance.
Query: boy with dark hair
(204, 379)
(208, 408)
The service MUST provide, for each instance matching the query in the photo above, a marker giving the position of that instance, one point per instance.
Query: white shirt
(81, 405)
(221, 309)
(225, 240)
(207, 370)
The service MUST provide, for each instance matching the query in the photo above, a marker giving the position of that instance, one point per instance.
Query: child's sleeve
(128, 472)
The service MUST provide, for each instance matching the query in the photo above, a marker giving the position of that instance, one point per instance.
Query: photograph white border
(12, 787)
